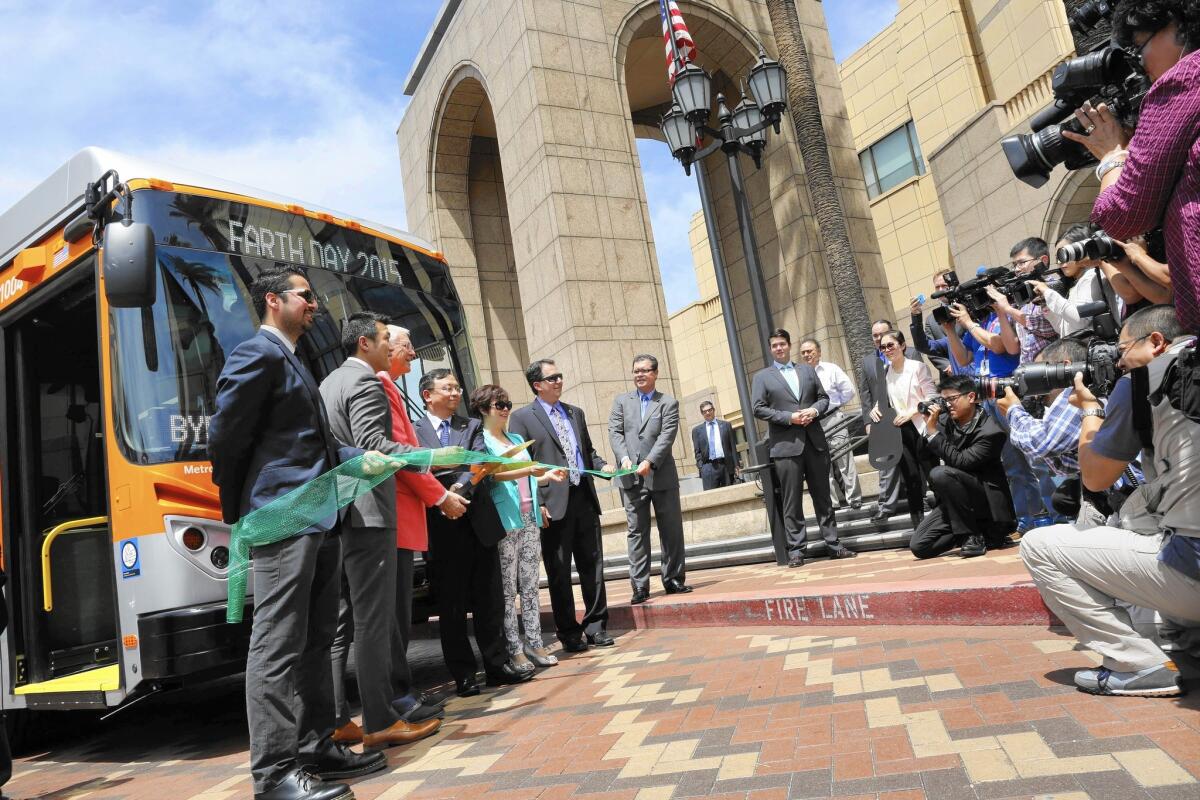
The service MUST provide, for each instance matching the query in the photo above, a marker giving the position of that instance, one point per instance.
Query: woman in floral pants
(515, 493)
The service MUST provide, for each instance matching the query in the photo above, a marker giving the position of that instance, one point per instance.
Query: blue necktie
(645, 404)
(712, 440)
(444, 433)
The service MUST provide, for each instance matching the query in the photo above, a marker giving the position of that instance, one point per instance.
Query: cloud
(853, 23)
(299, 99)
(673, 199)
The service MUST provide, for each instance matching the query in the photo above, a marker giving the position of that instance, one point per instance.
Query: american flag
(672, 21)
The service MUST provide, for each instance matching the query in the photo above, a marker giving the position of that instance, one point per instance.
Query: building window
(892, 160)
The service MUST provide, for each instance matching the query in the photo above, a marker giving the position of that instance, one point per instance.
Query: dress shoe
(508, 673)
(639, 596)
(880, 516)
(540, 656)
(339, 761)
(416, 709)
(973, 547)
(677, 587)
(795, 561)
(574, 645)
(601, 639)
(466, 687)
(401, 733)
(303, 785)
(349, 733)
(841, 552)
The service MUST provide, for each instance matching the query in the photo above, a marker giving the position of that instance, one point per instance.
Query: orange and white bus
(123, 284)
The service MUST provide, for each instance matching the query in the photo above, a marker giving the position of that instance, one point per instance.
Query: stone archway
(1071, 203)
(471, 216)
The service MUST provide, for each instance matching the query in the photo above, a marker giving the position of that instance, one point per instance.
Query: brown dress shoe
(401, 733)
(349, 733)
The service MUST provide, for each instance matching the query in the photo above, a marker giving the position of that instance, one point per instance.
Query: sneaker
(1158, 681)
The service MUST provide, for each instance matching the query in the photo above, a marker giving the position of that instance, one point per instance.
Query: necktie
(712, 440)
(444, 433)
(564, 439)
(645, 404)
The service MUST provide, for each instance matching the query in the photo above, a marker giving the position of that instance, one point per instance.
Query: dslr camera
(1108, 75)
(938, 402)
(1100, 373)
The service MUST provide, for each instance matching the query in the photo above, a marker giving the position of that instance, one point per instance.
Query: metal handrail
(55, 532)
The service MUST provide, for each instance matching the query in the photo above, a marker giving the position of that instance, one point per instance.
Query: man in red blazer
(412, 533)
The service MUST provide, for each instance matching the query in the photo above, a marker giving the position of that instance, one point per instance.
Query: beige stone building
(519, 161)
(929, 100)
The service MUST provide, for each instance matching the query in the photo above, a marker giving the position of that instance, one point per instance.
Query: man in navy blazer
(574, 529)
(465, 560)
(270, 435)
(790, 398)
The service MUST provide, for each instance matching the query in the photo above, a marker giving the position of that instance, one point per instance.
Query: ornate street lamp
(768, 84)
(749, 117)
(680, 135)
(692, 92)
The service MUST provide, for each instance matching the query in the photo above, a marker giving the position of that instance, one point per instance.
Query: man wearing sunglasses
(968, 441)
(561, 438)
(270, 435)
(1149, 554)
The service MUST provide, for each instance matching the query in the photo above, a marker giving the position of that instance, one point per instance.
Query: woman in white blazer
(908, 383)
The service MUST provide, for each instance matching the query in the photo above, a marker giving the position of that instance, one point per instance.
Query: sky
(303, 103)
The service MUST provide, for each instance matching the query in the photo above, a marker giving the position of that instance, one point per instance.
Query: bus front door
(63, 643)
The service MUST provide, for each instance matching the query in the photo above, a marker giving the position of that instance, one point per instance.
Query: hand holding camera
(1102, 132)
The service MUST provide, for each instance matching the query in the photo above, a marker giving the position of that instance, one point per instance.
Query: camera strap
(1143, 420)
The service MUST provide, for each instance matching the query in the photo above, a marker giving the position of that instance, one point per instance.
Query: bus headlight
(193, 538)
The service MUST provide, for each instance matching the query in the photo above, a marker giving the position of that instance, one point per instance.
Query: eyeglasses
(1023, 262)
(635, 372)
(451, 390)
(307, 295)
(1123, 349)
(1135, 51)
(502, 405)
(555, 378)
(951, 398)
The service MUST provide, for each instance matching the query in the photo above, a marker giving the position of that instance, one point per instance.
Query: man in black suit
(716, 454)
(270, 435)
(874, 390)
(560, 435)
(790, 398)
(465, 561)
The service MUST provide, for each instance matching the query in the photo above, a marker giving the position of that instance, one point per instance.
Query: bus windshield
(167, 357)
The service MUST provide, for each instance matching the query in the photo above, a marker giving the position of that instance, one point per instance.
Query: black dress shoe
(639, 596)
(466, 687)
(600, 639)
(339, 761)
(841, 552)
(414, 709)
(677, 587)
(574, 645)
(303, 785)
(973, 547)
(508, 673)
(795, 561)
(880, 516)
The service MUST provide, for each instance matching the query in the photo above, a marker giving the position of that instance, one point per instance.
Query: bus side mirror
(129, 273)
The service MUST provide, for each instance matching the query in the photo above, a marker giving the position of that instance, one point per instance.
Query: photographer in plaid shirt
(1153, 177)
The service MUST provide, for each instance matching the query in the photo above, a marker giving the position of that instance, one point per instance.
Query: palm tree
(804, 105)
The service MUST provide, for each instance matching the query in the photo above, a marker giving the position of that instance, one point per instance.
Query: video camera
(973, 295)
(1108, 75)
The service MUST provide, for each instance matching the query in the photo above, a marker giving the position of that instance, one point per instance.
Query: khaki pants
(1082, 574)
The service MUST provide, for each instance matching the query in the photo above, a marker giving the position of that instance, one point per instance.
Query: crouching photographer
(968, 441)
(1149, 555)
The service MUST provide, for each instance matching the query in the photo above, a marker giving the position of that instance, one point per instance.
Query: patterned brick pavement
(935, 712)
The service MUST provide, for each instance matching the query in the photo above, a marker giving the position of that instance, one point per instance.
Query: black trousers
(914, 467)
(576, 535)
(714, 474)
(466, 578)
(811, 467)
(962, 510)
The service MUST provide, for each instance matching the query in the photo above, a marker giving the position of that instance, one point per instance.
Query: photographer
(1085, 285)
(968, 441)
(1153, 178)
(925, 331)
(1034, 331)
(1151, 557)
(1148, 278)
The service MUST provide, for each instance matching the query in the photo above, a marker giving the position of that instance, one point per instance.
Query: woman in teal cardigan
(515, 493)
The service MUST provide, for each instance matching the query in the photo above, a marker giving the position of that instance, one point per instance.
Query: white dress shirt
(909, 386)
(712, 432)
(836, 384)
(278, 334)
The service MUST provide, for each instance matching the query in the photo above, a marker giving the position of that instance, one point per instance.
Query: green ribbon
(323, 497)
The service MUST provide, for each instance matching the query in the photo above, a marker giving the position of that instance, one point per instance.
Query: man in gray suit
(359, 414)
(790, 398)
(642, 427)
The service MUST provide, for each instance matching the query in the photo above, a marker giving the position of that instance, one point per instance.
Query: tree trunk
(803, 103)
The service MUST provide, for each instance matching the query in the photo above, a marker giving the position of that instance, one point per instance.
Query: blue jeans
(1022, 481)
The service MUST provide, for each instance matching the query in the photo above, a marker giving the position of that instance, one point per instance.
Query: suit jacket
(481, 514)
(978, 453)
(874, 389)
(728, 446)
(359, 414)
(532, 422)
(774, 402)
(415, 491)
(269, 434)
(647, 438)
